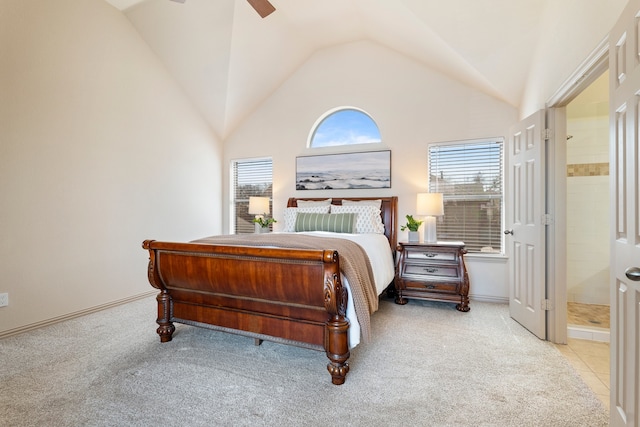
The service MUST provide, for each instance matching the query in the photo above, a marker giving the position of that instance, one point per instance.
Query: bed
(290, 287)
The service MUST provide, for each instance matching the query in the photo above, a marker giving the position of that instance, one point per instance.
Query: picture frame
(361, 170)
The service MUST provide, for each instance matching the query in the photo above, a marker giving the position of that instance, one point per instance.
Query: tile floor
(589, 358)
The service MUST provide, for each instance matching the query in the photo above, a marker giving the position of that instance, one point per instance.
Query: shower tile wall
(588, 210)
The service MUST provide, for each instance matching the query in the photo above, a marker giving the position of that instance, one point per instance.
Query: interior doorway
(587, 212)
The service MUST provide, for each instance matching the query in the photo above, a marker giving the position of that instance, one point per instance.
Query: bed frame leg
(165, 328)
(337, 349)
(336, 336)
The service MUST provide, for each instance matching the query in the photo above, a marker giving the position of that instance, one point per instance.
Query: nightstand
(432, 271)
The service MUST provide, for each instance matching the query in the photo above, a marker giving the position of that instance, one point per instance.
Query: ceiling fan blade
(263, 7)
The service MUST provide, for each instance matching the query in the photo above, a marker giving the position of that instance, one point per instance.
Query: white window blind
(469, 174)
(252, 177)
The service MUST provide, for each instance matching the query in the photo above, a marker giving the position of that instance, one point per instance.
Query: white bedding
(379, 252)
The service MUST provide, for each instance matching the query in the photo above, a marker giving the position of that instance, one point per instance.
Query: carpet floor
(428, 365)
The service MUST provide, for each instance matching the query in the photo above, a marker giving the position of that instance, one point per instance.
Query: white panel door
(624, 66)
(525, 234)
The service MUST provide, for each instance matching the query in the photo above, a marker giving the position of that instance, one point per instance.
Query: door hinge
(546, 305)
(547, 219)
(546, 134)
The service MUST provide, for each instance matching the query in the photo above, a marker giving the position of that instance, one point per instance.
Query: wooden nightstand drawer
(451, 288)
(431, 255)
(430, 270)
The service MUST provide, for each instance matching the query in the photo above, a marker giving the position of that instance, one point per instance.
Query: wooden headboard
(388, 212)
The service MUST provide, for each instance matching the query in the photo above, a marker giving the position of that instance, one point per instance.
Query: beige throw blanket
(354, 264)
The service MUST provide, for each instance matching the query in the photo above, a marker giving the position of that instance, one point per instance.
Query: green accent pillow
(337, 223)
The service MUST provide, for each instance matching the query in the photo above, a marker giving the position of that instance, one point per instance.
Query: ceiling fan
(263, 7)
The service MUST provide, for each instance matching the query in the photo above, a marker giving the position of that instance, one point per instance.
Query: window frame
(321, 120)
(434, 186)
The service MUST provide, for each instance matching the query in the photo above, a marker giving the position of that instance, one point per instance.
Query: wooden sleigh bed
(282, 294)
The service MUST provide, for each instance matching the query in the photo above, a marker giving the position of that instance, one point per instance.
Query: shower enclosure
(587, 210)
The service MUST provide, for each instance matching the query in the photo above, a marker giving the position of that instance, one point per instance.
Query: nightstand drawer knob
(430, 286)
(430, 269)
(430, 254)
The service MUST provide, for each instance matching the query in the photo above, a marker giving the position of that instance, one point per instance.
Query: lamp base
(430, 234)
(256, 227)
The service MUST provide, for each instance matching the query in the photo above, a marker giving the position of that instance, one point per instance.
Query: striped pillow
(337, 223)
(290, 215)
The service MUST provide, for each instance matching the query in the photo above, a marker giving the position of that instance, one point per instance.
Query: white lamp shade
(430, 204)
(258, 205)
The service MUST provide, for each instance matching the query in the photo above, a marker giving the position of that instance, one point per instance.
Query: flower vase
(414, 237)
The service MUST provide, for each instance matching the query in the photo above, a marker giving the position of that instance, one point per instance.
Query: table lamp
(430, 205)
(258, 206)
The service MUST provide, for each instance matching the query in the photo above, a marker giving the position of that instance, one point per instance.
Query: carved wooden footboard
(293, 296)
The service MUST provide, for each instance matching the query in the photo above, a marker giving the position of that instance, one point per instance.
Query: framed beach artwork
(369, 169)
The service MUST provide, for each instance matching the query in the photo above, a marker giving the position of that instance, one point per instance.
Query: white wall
(99, 150)
(577, 24)
(412, 105)
(588, 240)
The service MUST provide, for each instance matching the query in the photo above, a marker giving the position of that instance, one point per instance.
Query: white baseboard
(489, 298)
(73, 315)
(587, 333)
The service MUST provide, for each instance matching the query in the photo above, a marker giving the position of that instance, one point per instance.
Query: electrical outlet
(4, 300)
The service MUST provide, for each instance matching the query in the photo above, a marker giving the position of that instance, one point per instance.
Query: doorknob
(508, 232)
(633, 273)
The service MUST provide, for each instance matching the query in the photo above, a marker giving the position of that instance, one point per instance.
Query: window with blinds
(470, 176)
(251, 177)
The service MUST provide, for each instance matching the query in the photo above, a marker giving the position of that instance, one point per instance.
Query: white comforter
(377, 248)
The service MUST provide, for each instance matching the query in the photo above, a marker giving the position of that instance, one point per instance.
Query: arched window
(344, 126)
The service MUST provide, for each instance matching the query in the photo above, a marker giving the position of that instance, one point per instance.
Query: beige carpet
(429, 365)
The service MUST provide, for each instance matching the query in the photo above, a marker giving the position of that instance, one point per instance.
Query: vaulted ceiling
(228, 59)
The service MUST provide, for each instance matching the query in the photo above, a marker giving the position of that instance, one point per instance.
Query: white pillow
(291, 213)
(368, 221)
(377, 202)
(309, 203)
